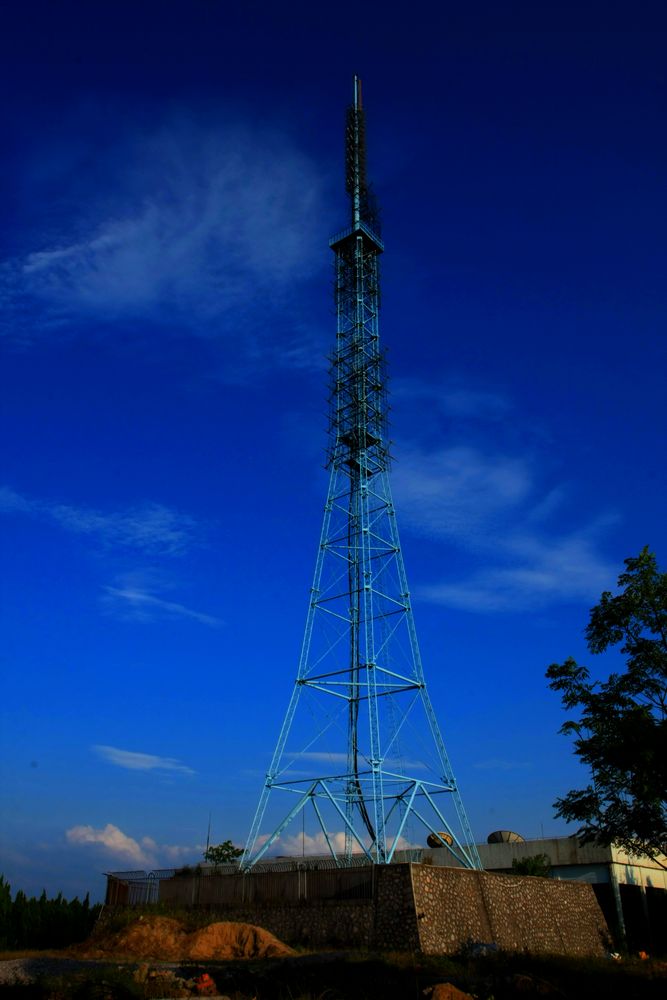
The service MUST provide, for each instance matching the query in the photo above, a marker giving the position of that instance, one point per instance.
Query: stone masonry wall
(312, 924)
(455, 906)
(435, 910)
(396, 925)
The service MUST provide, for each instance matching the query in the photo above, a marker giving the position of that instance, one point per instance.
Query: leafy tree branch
(621, 729)
(222, 854)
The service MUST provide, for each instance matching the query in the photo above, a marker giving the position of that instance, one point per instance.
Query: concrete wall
(569, 860)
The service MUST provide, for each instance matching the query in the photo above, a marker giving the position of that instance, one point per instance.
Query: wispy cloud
(459, 492)
(151, 528)
(534, 572)
(139, 603)
(198, 222)
(12, 502)
(453, 397)
(144, 853)
(491, 504)
(113, 840)
(133, 760)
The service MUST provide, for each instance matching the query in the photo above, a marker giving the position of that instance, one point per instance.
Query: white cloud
(198, 223)
(144, 853)
(300, 843)
(114, 842)
(452, 397)
(12, 502)
(150, 527)
(136, 761)
(490, 505)
(176, 854)
(140, 604)
(308, 844)
(537, 572)
(458, 492)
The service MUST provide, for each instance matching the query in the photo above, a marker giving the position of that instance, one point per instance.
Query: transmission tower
(360, 750)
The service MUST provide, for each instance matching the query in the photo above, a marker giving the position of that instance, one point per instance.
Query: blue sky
(171, 176)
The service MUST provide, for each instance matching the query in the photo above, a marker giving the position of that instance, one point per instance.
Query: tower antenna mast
(360, 748)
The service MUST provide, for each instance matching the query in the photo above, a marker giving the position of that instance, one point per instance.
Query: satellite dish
(436, 839)
(505, 837)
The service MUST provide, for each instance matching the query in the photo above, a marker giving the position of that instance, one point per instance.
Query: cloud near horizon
(145, 853)
(313, 844)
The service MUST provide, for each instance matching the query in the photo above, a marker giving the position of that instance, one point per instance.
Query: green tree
(222, 854)
(20, 921)
(621, 732)
(43, 923)
(535, 864)
(5, 912)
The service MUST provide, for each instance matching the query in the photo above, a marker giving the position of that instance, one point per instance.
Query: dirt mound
(228, 940)
(146, 937)
(167, 939)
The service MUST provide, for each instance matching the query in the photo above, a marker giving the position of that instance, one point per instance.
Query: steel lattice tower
(360, 701)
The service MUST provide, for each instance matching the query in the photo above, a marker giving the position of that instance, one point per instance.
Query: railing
(360, 226)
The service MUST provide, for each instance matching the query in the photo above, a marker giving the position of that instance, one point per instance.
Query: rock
(447, 991)
(141, 974)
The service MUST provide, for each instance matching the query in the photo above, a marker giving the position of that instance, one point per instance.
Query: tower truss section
(360, 756)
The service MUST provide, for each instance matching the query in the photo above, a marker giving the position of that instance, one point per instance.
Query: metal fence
(214, 889)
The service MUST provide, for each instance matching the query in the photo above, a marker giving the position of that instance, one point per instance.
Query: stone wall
(418, 907)
(311, 924)
(396, 925)
(455, 907)
(440, 911)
